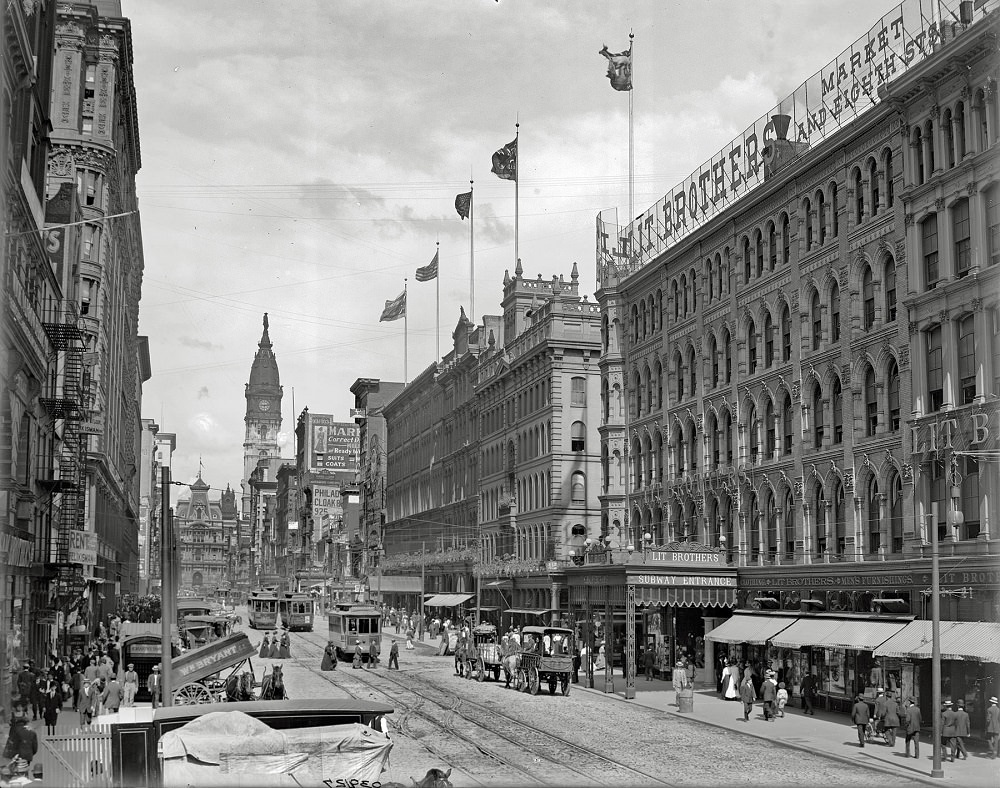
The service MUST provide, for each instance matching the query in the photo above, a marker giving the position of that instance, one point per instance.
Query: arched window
(759, 244)
(892, 386)
(718, 271)
(637, 387)
(859, 198)
(677, 301)
(817, 408)
(873, 185)
(980, 114)
(753, 439)
(786, 424)
(770, 438)
(890, 290)
(929, 145)
(788, 525)
(949, 139)
(711, 280)
(874, 533)
(839, 520)
(768, 340)
(659, 385)
(746, 260)
(834, 210)
(871, 403)
(917, 146)
(895, 502)
(786, 334)
(890, 175)
(772, 246)
(605, 399)
(838, 411)
(817, 321)
(786, 241)
(867, 299)
(753, 520)
(713, 430)
(685, 297)
(821, 216)
(681, 455)
(727, 436)
(751, 348)
(713, 351)
(835, 313)
(694, 291)
(692, 373)
(578, 439)
(679, 375)
(727, 356)
(807, 207)
(579, 487)
(819, 520)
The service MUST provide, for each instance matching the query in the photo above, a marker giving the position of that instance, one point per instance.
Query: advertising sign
(333, 446)
(83, 548)
(326, 503)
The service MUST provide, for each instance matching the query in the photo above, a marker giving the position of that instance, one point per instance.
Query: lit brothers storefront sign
(830, 99)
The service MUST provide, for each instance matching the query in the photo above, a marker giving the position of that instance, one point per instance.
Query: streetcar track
(542, 744)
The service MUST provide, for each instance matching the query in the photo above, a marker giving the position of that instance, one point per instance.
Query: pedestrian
(782, 699)
(962, 730)
(285, 650)
(106, 669)
(949, 726)
(265, 645)
(88, 702)
(808, 691)
(912, 723)
(274, 651)
(409, 638)
(747, 694)
(50, 709)
(769, 694)
(599, 662)
(372, 654)
(131, 686)
(329, 657)
(993, 727)
(22, 742)
(577, 662)
(155, 686)
(26, 683)
(112, 696)
(394, 655)
(859, 718)
(879, 711)
(731, 681)
(891, 719)
(680, 681)
(76, 682)
(420, 628)
(357, 655)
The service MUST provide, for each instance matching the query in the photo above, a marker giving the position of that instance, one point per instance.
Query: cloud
(198, 344)
(203, 392)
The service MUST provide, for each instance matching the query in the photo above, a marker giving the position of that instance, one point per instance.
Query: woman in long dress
(275, 649)
(329, 657)
(265, 645)
(731, 682)
(285, 650)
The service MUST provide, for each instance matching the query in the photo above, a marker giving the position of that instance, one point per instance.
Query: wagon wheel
(564, 682)
(520, 681)
(480, 671)
(534, 681)
(191, 694)
(470, 669)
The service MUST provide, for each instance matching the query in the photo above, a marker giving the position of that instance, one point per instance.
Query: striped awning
(685, 597)
(447, 600)
(978, 641)
(749, 629)
(856, 634)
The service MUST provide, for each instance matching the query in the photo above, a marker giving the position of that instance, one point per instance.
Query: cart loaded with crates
(198, 672)
(484, 653)
(546, 657)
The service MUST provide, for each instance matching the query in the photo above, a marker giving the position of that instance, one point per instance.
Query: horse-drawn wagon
(546, 657)
(484, 653)
(196, 672)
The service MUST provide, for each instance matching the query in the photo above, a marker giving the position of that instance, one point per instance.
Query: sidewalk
(825, 733)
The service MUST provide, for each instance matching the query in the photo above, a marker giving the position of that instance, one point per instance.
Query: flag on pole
(394, 309)
(619, 67)
(429, 271)
(463, 204)
(505, 162)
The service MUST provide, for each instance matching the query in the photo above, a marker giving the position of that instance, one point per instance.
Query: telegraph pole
(166, 589)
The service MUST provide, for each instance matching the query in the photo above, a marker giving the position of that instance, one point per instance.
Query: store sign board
(718, 581)
(891, 580)
(83, 548)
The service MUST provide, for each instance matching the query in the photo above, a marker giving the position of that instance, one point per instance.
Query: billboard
(82, 548)
(332, 446)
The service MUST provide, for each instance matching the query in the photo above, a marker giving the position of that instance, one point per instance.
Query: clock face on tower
(264, 405)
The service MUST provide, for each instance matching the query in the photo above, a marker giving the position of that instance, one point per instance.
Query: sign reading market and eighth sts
(333, 445)
(826, 102)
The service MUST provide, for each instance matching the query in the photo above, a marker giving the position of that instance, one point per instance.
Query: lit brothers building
(790, 383)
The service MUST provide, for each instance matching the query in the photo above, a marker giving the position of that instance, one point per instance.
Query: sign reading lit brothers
(824, 103)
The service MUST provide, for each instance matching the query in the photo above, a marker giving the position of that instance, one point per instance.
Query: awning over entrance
(685, 597)
(447, 600)
(855, 634)
(977, 641)
(396, 584)
(755, 630)
(529, 611)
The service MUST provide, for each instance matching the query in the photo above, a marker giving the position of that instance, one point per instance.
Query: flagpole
(472, 255)
(406, 378)
(631, 137)
(437, 308)
(517, 178)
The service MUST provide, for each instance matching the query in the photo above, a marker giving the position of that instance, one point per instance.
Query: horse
(435, 778)
(273, 687)
(240, 686)
(511, 663)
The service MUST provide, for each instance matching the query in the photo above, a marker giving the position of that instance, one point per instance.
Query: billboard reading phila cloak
(333, 446)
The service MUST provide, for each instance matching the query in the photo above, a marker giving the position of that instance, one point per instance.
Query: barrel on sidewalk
(685, 700)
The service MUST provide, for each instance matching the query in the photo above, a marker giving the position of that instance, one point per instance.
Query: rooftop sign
(826, 102)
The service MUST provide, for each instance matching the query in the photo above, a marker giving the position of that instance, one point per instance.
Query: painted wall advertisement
(333, 445)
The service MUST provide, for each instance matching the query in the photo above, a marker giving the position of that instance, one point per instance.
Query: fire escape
(68, 389)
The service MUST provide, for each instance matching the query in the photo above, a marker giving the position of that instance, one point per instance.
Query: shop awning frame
(977, 641)
(396, 584)
(858, 634)
(755, 630)
(447, 600)
(531, 611)
(668, 596)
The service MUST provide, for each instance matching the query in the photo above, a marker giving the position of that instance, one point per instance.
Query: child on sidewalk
(782, 699)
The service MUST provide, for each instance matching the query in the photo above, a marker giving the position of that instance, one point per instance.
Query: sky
(303, 158)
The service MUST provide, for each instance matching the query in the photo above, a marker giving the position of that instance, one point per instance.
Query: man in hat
(155, 686)
(112, 696)
(131, 684)
(879, 712)
(769, 694)
(912, 723)
(962, 730)
(88, 702)
(948, 731)
(22, 742)
(859, 717)
(891, 719)
(680, 681)
(993, 727)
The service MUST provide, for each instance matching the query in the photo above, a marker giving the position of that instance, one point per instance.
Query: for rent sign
(83, 548)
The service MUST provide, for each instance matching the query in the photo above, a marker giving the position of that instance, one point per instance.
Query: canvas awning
(857, 634)
(685, 597)
(395, 584)
(447, 600)
(755, 630)
(978, 641)
(529, 611)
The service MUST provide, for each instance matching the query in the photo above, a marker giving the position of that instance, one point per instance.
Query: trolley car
(262, 610)
(297, 612)
(350, 623)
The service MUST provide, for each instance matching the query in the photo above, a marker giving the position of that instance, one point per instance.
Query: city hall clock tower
(263, 416)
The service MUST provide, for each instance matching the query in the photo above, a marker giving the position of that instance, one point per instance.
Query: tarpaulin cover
(233, 748)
